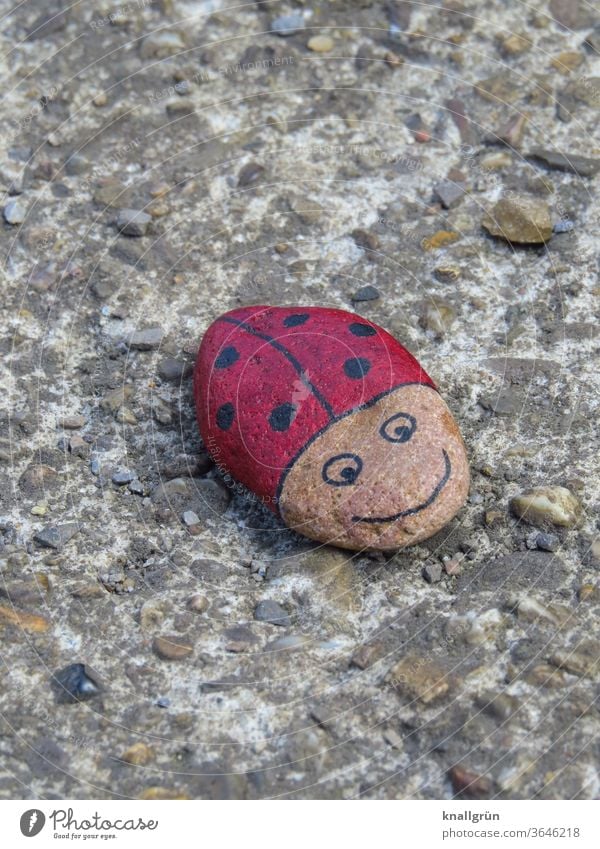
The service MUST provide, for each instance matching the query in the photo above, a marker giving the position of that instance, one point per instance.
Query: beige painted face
(384, 477)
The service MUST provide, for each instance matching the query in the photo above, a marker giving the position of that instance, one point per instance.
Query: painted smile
(412, 510)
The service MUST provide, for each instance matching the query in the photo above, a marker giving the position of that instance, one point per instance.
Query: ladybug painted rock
(332, 423)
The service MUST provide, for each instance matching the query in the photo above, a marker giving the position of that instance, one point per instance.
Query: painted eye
(398, 428)
(342, 470)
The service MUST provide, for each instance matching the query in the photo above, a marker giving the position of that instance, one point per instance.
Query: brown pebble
(198, 603)
(71, 422)
(418, 677)
(453, 567)
(522, 220)
(171, 648)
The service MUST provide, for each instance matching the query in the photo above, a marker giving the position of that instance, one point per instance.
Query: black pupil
(348, 473)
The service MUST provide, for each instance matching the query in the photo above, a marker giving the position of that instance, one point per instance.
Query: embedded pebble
(523, 220)
(573, 163)
(366, 293)
(139, 754)
(320, 43)
(72, 422)
(171, 647)
(432, 572)
(470, 785)
(75, 683)
(449, 193)
(198, 603)
(174, 370)
(15, 211)
(363, 455)
(564, 226)
(56, 536)
(122, 477)
(29, 622)
(146, 340)
(272, 612)
(554, 504)
(133, 222)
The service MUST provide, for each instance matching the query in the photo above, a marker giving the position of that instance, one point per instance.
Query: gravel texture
(163, 162)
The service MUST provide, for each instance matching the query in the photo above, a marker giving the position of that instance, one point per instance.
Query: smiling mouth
(412, 510)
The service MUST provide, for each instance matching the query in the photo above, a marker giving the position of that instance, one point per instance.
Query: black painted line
(289, 357)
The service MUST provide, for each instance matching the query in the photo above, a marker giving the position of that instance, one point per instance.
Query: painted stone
(332, 423)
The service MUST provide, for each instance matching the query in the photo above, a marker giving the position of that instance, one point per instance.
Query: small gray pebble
(55, 536)
(366, 293)
(146, 340)
(174, 370)
(547, 542)
(448, 193)
(122, 477)
(15, 211)
(136, 487)
(288, 24)
(564, 226)
(190, 518)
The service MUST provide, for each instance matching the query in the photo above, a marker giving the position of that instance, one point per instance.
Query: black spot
(227, 357)
(362, 329)
(357, 367)
(296, 319)
(282, 416)
(225, 416)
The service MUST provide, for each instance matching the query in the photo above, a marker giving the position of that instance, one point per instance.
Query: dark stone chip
(357, 367)
(225, 416)
(227, 357)
(296, 319)
(282, 416)
(362, 329)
